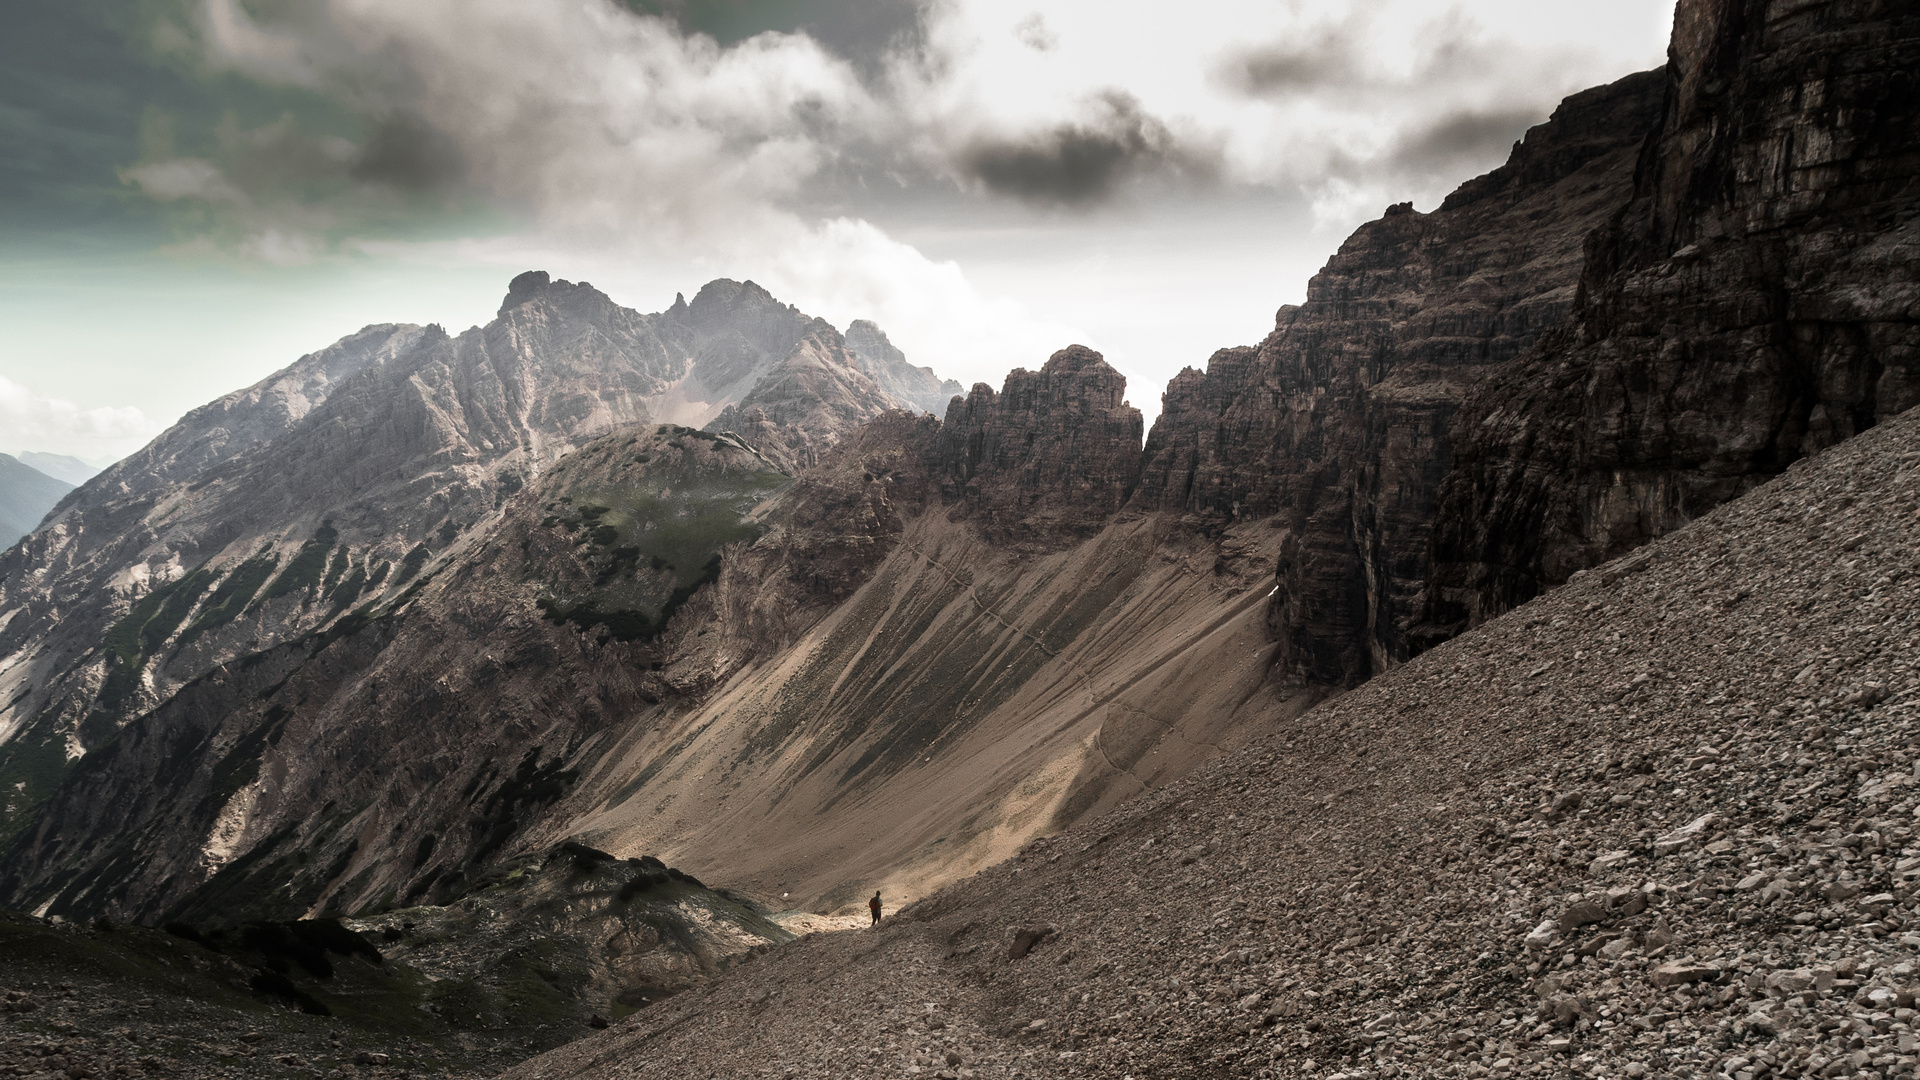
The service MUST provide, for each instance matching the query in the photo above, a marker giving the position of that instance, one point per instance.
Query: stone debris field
(1659, 822)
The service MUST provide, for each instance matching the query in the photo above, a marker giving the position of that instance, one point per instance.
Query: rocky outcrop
(1757, 299)
(1336, 425)
(1054, 453)
(919, 387)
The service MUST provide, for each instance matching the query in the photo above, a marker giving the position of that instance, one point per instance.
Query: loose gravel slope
(1657, 823)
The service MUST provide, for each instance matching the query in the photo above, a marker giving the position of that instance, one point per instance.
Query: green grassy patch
(233, 595)
(307, 566)
(154, 617)
(653, 541)
(32, 764)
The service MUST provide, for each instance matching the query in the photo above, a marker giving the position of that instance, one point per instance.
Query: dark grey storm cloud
(406, 153)
(1471, 135)
(1076, 164)
(1317, 61)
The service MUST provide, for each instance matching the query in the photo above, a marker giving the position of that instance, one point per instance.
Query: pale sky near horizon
(196, 192)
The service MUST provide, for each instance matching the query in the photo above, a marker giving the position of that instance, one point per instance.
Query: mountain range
(26, 494)
(726, 587)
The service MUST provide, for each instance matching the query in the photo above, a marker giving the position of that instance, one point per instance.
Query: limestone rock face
(1337, 422)
(919, 387)
(1756, 300)
(1055, 452)
(227, 426)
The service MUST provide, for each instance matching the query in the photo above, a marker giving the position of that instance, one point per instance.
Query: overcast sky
(195, 192)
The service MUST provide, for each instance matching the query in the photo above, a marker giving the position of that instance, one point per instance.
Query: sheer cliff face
(1753, 302)
(1337, 424)
(337, 482)
(1055, 453)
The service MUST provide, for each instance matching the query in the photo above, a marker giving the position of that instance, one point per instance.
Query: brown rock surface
(1758, 299)
(1337, 423)
(1054, 454)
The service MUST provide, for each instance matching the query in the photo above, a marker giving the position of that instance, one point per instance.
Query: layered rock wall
(1337, 422)
(1757, 299)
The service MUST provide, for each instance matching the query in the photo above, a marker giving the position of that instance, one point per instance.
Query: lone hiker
(873, 905)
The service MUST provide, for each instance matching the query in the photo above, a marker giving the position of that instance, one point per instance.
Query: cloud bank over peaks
(35, 421)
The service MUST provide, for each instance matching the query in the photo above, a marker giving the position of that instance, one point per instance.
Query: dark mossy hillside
(270, 999)
(307, 566)
(618, 933)
(637, 522)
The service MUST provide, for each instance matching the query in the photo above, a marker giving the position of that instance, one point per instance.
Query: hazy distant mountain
(888, 366)
(60, 466)
(26, 494)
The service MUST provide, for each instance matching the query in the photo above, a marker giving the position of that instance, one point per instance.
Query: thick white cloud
(34, 421)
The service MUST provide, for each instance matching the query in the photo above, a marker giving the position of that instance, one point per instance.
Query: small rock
(1682, 836)
(1791, 982)
(596, 1021)
(1541, 936)
(1681, 972)
(1026, 938)
(1606, 863)
(1584, 913)
(370, 1057)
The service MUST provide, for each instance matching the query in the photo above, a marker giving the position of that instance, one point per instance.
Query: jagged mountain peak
(724, 298)
(1078, 358)
(574, 297)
